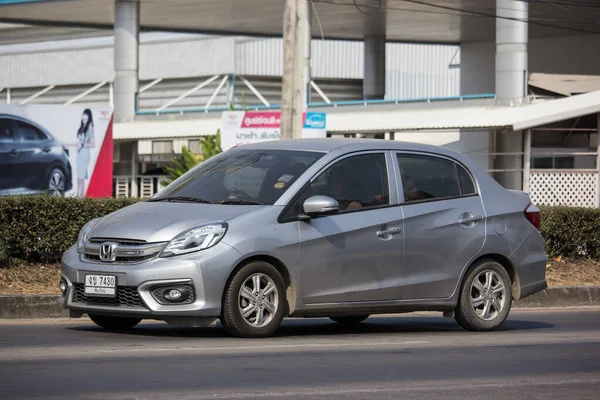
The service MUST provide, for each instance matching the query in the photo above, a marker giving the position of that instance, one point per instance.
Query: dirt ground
(43, 279)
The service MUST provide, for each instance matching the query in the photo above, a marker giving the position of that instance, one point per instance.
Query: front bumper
(206, 271)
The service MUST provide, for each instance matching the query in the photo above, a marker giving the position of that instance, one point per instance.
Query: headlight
(199, 238)
(84, 232)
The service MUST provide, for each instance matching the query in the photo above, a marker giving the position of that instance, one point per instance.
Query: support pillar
(126, 84)
(374, 68)
(527, 161)
(598, 159)
(307, 54)
(292, 82)
(511, 84)
(374, 50)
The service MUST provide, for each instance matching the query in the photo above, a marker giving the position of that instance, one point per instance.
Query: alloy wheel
(56, 185)
(488, 295)
(258, 300)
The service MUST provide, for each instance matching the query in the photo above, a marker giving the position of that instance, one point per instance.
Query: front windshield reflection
(245, 177)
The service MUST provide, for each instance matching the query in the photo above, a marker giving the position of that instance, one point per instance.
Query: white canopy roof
(371, 120)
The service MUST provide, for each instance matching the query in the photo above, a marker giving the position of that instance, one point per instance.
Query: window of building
(428, 178)
(162, 147)
(194, 146)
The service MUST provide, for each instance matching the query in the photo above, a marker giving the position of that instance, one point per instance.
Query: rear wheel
(486, 297)
(350, 320)
(114, 323)
(254, 303)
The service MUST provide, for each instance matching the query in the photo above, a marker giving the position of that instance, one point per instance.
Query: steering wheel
(240, 193)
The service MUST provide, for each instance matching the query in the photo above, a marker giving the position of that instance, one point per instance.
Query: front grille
(93, 257)
(127, 296)
(122, 242)
(125, 250)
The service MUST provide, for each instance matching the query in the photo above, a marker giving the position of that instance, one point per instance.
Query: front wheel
(254, 302)
(56, 182)
(114, 323)
(485, 298)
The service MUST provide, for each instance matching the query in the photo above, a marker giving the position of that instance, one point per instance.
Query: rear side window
(466, 182)
(6, 131)
(29, 133)
(428, 178)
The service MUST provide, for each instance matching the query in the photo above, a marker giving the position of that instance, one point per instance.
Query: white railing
(141, 186)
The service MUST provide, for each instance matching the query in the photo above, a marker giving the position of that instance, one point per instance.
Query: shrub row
(572, 232)
(41, 228)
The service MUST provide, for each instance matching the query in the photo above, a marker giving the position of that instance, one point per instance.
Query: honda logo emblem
(107, 252)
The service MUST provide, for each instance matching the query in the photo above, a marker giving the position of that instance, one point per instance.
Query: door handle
(14, 152)
(46, 149)
(390, 231)
(469, 219)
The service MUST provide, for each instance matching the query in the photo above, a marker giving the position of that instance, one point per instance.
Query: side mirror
(316, 206)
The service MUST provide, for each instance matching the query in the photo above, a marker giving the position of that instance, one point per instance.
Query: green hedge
(572, 232)
(41, 228)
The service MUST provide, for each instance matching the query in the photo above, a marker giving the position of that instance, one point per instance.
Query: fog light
(63, 287)
(176, 295)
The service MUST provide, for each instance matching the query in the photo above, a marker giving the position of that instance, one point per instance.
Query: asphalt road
(553, 354)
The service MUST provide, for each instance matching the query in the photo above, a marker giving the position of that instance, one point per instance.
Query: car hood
(162, 221)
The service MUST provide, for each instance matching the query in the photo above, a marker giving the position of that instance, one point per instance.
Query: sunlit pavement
(551, 354)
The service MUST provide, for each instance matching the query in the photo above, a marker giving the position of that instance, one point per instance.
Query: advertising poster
(244, 127)
(56, 149)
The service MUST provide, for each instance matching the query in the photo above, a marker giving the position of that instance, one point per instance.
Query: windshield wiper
(242, 202)
(184, 198)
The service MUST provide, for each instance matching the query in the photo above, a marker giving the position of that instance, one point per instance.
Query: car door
(444, 223)
(355, 255)
(8, 152)
(34, 154)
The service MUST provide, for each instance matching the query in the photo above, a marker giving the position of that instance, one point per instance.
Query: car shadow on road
(324, 327)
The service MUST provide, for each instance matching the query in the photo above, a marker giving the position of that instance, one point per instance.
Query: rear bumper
(530, 262)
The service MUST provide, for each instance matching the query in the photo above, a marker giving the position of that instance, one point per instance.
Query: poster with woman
(55, 149)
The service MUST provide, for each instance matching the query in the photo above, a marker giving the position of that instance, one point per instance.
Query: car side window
(428, 178)
(466, 182)
(356, 182)
(29, 133)
(6, 131)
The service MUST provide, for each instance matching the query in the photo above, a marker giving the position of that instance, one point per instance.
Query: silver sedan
(336, 228)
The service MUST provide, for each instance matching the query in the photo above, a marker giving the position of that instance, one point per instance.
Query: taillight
(533, 215)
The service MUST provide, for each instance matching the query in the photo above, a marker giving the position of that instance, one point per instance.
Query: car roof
(328, 145)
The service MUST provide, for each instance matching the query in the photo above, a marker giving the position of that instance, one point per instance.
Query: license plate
(101, 285)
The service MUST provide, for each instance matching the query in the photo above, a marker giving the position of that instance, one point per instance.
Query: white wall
(477, 68)
(576, 54)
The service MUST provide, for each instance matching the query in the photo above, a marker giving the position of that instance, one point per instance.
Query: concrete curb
(47, 305)
(562, 296)
(31, 306)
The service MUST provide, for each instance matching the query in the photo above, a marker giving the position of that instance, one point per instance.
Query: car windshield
(243, 177)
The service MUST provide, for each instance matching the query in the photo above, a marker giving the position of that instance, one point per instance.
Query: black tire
(231, 317)
(350, 320)
(56, 182)
(470, 296)
(114, 323)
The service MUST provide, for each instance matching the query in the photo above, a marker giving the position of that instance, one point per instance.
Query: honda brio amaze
(337, 228)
